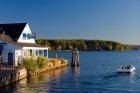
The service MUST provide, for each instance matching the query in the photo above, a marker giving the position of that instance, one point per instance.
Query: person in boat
(122, 67)
(128, 67)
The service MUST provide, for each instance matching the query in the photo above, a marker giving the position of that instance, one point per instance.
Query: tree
(41, 42)
(109, 47)
(62, 44)
(82, 45)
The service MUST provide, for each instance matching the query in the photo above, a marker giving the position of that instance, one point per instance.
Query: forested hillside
(83, 45)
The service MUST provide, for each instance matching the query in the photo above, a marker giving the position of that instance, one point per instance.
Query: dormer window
(24, 36)
(32, 36)
(27, 36)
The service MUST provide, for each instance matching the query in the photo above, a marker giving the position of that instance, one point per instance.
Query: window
(28, 36)
(24, 36)
(1, 48)
(45, 53)
(36, 52)
(31, 52)
(40, 52)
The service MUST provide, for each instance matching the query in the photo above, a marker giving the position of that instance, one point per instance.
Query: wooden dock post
(75, 58)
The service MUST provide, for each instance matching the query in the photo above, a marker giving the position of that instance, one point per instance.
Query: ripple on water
(95, 75)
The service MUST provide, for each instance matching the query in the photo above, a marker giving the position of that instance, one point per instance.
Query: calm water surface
(97, 74)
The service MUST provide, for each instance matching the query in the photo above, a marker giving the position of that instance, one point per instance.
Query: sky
(115, 20)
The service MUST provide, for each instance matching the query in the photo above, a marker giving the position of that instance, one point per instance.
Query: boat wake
(116, 75)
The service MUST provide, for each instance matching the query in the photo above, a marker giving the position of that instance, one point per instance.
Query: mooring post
(75, 58)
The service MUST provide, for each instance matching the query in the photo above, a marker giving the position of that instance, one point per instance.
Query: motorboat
(126, 69)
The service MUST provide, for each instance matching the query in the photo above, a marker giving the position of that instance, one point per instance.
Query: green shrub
(40, 59)
(30, 64)
(40, 62)
(62, 60)
(46, 61)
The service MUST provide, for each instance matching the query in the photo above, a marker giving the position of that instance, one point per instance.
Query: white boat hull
(126, 70)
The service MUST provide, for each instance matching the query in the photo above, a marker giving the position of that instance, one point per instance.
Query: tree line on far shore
(83, 45)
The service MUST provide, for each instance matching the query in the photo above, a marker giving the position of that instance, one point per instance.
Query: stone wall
(8, 77)
(50, 68)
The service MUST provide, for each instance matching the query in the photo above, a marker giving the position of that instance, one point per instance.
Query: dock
(9, 75)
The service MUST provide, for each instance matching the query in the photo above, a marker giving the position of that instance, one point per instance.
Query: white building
(18, 42)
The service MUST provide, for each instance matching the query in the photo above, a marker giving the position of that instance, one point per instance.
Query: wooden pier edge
(20, 74)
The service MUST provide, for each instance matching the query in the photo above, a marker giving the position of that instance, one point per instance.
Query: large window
(1, 48)
(31, 52)
(40, 52)
(26, 36)
(45, 53)
(36, 52)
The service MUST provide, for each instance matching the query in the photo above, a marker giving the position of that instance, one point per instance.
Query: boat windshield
(125, 67)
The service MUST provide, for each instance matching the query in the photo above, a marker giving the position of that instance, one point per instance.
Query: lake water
(96, 74)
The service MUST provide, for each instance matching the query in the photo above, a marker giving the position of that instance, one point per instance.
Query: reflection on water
(97, 74)
(76, 73)
(132, 76)
(76, 70)
(35, 83)
(57, 73)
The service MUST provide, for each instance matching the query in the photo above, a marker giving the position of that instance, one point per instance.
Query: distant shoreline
(89, 51)
(85, 45)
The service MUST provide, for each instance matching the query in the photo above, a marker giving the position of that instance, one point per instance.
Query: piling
(75, 58)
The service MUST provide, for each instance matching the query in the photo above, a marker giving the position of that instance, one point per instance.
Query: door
(10, 58)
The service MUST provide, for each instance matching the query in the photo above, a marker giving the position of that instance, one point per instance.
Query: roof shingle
(13, 30)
